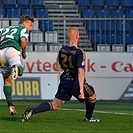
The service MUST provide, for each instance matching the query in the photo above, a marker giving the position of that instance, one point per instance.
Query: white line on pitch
(103, 112)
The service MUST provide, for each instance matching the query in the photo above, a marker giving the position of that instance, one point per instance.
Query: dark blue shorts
(67, 90)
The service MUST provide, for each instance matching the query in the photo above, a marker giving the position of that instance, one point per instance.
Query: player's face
(28, 25)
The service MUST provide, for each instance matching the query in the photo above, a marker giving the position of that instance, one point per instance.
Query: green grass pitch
(117, 117)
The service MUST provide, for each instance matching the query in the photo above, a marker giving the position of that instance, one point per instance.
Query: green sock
(8, 94)
(20, 70)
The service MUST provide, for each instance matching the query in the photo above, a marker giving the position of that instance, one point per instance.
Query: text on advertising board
(26, 87)
(117, 66)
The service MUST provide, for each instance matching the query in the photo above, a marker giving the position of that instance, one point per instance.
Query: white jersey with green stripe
(11, 36)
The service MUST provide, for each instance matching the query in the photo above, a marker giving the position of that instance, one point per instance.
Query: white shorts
(9, 57)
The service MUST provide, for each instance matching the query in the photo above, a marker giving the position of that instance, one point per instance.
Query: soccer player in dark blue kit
(72, 81)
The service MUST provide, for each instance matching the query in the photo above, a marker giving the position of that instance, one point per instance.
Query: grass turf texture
(117, 117)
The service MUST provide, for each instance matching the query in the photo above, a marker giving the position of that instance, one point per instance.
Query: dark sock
(41, 108)
(8, 94)
(9, 103)
(89, 109)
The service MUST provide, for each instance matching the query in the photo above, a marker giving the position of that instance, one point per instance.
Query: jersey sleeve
(81, 60)
(24, 33)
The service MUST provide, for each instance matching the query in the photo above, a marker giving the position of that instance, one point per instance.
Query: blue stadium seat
(102, 13)
(22, 3)
(13, 13)
(83, 3)
(132, 25)
(129, 14)
(119, 26)
(37, 3)
(129, 38)
(93, 37)
(117, 13)
(108, 25)
(9, 3)
(98, 3)
(46, 25)
(28, 11)
(127, 3)
(93, 25)
(113, 38)
(100, 38)
(2, 12)
(41, 13)
(86, 13)
(112, 3)
(97, 38)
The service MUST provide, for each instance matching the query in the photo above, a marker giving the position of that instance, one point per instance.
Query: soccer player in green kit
(12, 50)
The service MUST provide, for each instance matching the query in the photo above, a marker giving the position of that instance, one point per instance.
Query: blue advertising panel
(26, 88)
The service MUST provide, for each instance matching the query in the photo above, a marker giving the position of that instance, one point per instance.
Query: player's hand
(81, 96)
(23, 55)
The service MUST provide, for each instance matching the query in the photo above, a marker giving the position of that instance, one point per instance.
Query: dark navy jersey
(70, 59)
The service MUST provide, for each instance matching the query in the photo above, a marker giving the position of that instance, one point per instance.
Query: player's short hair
(25, 18)
(71, 32)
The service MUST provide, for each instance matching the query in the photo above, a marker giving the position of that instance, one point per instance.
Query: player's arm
(24, 37)
(81, 79)
(58, 68)
(81, 72)
(23, 46)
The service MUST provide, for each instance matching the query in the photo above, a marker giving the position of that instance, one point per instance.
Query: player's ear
(77, 36)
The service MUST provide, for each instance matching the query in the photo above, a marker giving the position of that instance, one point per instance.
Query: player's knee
(8, 81)
(55, 106)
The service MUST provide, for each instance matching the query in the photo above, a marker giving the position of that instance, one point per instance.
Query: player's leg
(7, 89)
(90, 95)
(56, 104)
(46, 106)
(15, 61)
(11, 58)
(43, 107)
